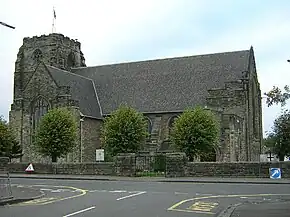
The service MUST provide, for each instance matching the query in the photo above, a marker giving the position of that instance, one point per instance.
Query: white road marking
(81, 211)
(46, 189)
(56, 191)
(203, 194)
(180, 193)
(117, 191)
(132, 195)
(92, 191)
(77, 190)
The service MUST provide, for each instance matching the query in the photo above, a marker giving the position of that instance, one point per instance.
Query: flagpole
(53, 20)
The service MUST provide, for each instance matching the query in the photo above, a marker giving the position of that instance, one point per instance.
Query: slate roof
(82, 89)
(172, 84)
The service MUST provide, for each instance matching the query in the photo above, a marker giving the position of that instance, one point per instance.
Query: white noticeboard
(100, 154)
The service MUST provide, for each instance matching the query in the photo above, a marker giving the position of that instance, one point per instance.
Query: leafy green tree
(123, 131)
(16, 150)
(56, 134)
(195, 132)
(279, 139)
(9, 147)
(269, 141)
(277, 96)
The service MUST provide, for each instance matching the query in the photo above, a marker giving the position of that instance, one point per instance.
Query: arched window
(71, 61)
(170, 123)
(39, 108)
(149, 125)
(37, 55)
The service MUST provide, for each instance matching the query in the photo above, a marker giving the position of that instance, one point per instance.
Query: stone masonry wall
(231, 100)
(254, 111)
(176, 166)
(91, 129)
(235, 169)
(102, 168)
(125, 164)
(54, 49)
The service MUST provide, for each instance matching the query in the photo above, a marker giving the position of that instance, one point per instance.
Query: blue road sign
(275, 173)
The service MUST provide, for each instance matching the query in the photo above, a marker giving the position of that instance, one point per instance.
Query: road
(65, 198)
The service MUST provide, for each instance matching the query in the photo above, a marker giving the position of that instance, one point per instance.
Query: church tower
(34, 91)
(53, 49)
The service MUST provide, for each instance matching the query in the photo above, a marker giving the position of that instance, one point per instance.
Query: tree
(268, 145)
(9, 147)
(56, 134)
(280, 137)
(276, 96)
(123, 131)
(195, 132)
(269, 141)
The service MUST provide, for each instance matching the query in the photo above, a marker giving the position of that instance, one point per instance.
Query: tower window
(71, 60)
(37, 55)
(39, 108)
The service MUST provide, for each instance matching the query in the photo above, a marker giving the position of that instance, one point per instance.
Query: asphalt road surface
(65, 198)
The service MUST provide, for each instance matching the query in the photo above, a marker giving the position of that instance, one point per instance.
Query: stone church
(50, 71)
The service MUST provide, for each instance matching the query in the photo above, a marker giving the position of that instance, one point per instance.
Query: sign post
(100, 155)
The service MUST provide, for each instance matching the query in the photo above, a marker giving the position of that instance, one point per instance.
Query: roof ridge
(160, 59)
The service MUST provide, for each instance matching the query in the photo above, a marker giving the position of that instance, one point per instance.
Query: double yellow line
(44, 200)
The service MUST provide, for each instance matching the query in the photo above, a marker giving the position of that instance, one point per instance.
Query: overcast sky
(113, 31)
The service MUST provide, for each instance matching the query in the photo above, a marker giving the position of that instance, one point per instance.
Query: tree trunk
(54, 159)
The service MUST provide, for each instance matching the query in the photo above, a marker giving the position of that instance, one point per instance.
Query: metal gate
(150, 164)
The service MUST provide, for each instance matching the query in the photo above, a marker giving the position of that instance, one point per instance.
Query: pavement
(126, 198)
(154, 179)
(281, 209)
(22, 194)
